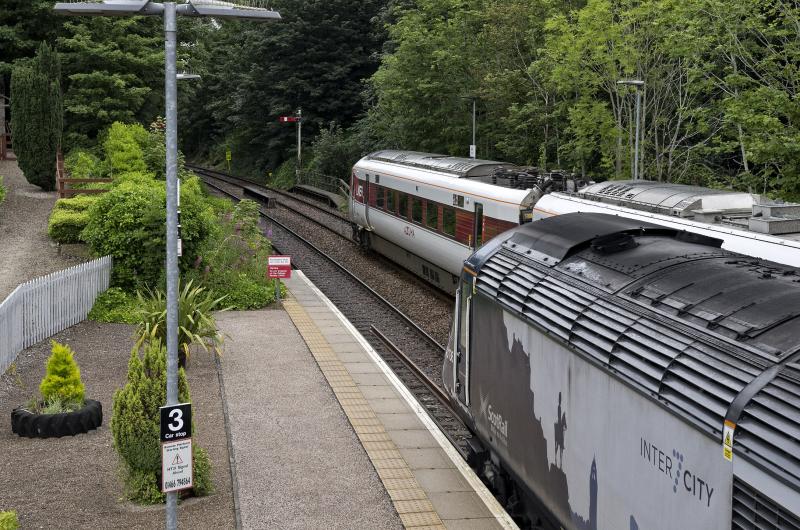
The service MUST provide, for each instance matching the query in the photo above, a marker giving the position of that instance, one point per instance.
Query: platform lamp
(252, 10)
(637, 84)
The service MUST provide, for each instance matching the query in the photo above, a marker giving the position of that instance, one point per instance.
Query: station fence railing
(42, 307)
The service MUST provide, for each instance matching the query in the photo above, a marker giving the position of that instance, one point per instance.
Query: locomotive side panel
(596, 452)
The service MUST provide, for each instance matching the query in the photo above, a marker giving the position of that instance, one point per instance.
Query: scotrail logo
(675, 467)
(497, 424)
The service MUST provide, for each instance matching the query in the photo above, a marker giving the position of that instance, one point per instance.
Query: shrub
(232, 262)
(135, 426)
(80, 203)
(2, 190)
(196, 324)
(63, 378)
(115, 305)
(9, 521)
(128, 223)
(65, 226)
(82, 164)
(123, 147)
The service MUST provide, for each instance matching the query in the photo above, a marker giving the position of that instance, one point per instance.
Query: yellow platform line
(409, 499)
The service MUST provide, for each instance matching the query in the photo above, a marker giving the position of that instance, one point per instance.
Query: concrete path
(298, 463)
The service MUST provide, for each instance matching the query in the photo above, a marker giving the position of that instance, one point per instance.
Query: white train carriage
(430, 212)
(746, 223)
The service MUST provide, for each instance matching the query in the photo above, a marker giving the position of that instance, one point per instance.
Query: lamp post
(637, 84)
(169, 11)
(473, 147)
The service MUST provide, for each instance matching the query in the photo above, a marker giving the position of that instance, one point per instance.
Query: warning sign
(176, 465)
(727, 440)
(279, 267)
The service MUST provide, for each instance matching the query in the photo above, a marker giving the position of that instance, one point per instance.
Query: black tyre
(31, 425)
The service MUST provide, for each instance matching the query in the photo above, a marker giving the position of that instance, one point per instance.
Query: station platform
(323, 434)
(333, 199)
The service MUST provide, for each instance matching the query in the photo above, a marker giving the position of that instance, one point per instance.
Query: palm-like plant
(196, 324)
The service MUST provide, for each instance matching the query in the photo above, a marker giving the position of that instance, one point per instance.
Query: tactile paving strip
(409, 499)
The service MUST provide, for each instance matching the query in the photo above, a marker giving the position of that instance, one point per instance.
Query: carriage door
(461, 358)
(477, 235)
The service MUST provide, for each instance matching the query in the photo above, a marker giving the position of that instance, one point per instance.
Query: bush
(123, 147)
(2, 190)
(63, 378)
(128, 223)
(135, 426)
(65, 226)
(80, 203)
(9, 521)
(82, 164)
(196, 324)
(232, 262)
(115, 305)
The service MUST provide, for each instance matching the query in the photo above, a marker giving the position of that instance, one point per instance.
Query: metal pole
(473, 128)
(636, 143)
(171, 89)
(299, 143)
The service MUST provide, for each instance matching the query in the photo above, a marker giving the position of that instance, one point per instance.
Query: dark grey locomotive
(627, 375)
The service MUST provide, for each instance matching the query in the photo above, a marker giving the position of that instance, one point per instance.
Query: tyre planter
(32, 425)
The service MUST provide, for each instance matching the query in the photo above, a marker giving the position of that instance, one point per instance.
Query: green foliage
(114, 69)
(2, 190)
(82, 164)
(9, 520)
(115, 305)
(55, 405)
(196, 324)
(135, 425)
(36, 110)
(231, 262)
(128, 223)
(123, 147)
(79, 203)
(63, 378)
(65, 226)
(335, 152)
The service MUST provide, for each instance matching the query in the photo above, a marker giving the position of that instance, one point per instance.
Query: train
(620, 374)
(430, 212)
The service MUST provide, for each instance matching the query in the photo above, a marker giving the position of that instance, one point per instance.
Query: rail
(42, 307)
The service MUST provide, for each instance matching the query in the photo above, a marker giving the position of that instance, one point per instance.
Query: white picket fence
(44, 306)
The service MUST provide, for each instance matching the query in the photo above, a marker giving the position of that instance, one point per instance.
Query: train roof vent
(613, 243)
(769, 427)
(752, 510)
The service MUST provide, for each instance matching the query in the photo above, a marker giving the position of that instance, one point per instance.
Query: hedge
(65, 226)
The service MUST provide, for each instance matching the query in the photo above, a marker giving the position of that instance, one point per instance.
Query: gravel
(25, 249)
(72, 482)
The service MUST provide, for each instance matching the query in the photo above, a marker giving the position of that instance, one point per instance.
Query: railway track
(411, 352)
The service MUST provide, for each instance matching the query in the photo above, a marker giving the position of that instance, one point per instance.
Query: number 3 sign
(176, 422)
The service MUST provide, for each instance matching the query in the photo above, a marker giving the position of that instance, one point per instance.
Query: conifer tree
(63, 379)
(36, 111)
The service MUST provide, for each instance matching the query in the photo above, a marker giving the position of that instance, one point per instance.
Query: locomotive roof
(457, 166)
(713, 334)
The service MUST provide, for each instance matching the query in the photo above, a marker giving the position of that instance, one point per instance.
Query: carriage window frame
(402, 205)
(380, 197)
(431, 206)
(451, 211)
(391, 201)
(417, 206)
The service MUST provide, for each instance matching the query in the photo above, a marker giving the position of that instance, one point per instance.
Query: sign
(176, 465)
(176, 422)
(228, 155)
(727, 440)
(472, 151)
(279, 267)
(289, 119)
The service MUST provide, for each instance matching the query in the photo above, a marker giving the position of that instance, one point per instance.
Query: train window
(478, 236)
(377, 179)
(403, 210)
(416, 210)
(390, 201)
(458, 200)
(432, 215)
(449, 221)
(380, 201)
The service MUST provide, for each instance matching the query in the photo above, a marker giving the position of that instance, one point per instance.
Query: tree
(37, 121)
(114, 69)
